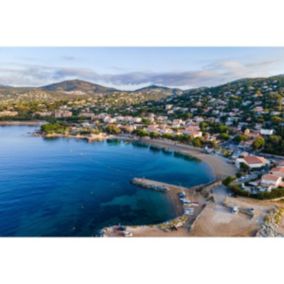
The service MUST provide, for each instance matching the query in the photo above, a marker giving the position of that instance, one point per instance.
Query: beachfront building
(193, 131)
(253, 162)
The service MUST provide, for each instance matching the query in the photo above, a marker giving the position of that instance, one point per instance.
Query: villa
(278, 172)
(193, 131)
(253, 162)
(270, 180)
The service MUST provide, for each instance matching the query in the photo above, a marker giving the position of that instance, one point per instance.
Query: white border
(141, 23)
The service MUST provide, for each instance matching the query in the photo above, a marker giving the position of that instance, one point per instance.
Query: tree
(113, 129)
(141, 132)
(197, 142)
(258, 143)
(56, 127)
(154, 135)
(224, 136)
(228, 180)
(244, 167)
(241, 138)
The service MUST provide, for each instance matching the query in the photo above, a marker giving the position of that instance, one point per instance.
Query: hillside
(78, 86)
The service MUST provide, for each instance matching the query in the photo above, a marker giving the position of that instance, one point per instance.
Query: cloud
(212, 74)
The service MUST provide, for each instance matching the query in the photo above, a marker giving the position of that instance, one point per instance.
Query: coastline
(21, 123)
(89, 138)
(219, 165)
(182, 223)
(211, 205)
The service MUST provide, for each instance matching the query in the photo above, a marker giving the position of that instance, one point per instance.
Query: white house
(278, 172)
(271, 180)
(266, 132)
(253, 162)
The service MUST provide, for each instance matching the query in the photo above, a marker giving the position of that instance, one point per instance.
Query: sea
(68, 187)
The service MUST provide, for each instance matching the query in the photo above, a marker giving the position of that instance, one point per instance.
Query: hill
(77, 86)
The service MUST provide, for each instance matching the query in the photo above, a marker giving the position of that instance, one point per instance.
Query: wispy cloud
(211, 74)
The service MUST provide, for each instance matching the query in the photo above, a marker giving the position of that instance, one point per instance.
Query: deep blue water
(68, 187)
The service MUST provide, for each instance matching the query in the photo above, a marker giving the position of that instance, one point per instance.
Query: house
(266, 132)
(253, 162)
(87, 114)
(63, 113)
(152, 128)
(278, 172)
(8, 113)
(271, 180)
(280, 164)
(177, 123)
(193, 131)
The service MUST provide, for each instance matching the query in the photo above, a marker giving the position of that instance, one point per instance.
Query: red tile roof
(281, 170)
(270, 177)
(254, 160)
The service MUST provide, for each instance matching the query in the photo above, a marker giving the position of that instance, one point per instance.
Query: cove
(68, 187)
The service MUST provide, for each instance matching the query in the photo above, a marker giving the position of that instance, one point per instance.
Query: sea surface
(69, 187)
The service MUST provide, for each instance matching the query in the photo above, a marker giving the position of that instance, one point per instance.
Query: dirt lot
(218, 220)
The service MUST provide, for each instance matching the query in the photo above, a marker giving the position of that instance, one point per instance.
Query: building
(8, 113)
(278, 172)
(193, 131)
(253, 162)
(266, 132)
(270, 180)
(63, 114)
(87, 114)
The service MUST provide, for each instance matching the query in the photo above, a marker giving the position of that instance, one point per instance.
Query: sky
(130, 68)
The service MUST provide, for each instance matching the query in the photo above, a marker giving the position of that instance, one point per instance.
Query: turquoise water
(68, 187)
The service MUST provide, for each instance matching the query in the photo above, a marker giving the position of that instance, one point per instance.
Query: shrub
(228, 180)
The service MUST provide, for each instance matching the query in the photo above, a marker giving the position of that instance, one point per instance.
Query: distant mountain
(77, 86)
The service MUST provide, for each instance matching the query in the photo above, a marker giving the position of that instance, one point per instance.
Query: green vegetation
(258, 143)
(112, 129)
(141, 133)
(54, 128)
(275, 145)
(228, 180)
(275, 193)
(241, 138)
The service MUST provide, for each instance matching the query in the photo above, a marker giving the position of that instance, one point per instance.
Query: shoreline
(182, 222)
(220, 167)
(22, 123)
(211, 207)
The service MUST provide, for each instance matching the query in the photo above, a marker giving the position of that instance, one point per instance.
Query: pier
(166, 187)
(157, 186)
